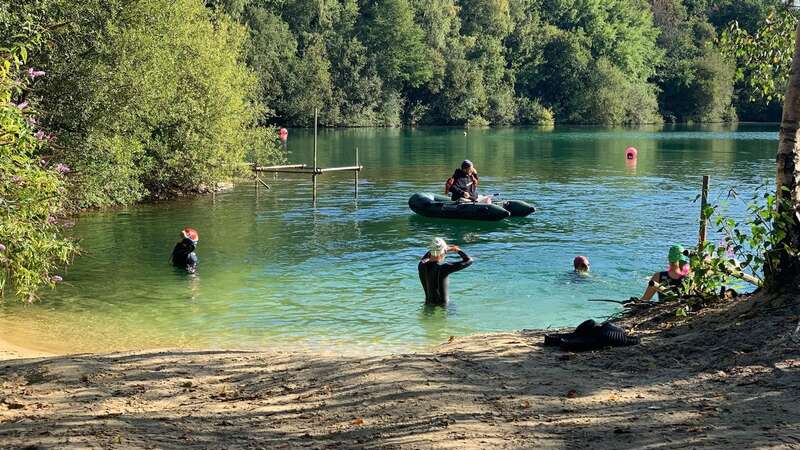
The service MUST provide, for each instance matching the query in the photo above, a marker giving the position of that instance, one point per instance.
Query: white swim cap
(438, 247)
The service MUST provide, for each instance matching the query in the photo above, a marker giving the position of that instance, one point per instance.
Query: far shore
(726, 378)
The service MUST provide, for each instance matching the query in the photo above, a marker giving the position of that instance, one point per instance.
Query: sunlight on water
(276, 272)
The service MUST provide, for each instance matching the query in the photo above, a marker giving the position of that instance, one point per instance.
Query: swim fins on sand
(590, 336)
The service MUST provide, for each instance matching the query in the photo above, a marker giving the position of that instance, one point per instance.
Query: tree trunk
(787, 273)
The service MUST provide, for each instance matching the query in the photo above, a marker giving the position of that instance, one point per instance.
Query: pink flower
(16, 179)
(39, 135)
(52, 220)
(32, 121)
(2, 248)
(35, 73)
(63, 169)
(23, 105)
(56, 279)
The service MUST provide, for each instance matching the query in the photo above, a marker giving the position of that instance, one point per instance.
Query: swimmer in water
(433, 271)
(183, 254)
(581, 264)
(673, 277)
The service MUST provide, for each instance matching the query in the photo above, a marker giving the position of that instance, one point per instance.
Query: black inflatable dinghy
(433, 205)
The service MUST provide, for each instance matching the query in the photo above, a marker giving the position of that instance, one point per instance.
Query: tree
(772, 45)
(148, 98)
(397, 44)
(787, 178)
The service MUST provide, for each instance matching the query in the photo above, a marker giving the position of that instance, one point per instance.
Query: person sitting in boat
(183, 254)
(672, 278)
(463, 185)
(434, 271)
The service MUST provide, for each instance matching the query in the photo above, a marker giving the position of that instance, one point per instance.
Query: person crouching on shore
(673, 277)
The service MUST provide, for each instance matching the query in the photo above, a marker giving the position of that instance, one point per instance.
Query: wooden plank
(341, 169)
(285, 166)
(307, 171)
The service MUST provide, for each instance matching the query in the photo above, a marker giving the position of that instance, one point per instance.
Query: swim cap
(676, 254)
(466, 164)
(191, 234)
(580, 261)
(438, 247)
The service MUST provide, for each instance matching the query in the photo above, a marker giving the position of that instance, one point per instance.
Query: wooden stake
(314, 176)
(314, 189)
(703, 219)
(315, 139)
(355, 176)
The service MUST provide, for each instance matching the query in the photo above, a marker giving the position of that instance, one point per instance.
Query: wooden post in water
(703, 218)
(355, 176)
(314, 175)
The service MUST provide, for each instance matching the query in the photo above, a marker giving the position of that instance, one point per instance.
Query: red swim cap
(191, 234)
(630, 152)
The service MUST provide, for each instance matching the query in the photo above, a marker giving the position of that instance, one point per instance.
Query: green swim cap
(676, 254)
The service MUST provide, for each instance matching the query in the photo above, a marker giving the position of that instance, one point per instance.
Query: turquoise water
(277, 272)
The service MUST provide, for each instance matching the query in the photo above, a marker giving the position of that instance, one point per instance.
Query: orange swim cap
(191, 234)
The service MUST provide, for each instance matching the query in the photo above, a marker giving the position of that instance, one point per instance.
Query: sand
(726, 378)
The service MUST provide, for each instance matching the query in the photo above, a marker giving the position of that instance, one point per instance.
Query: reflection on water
(276, 272)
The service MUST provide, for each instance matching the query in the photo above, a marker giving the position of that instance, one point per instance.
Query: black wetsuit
(670, 283)
(433, 276)
(462, 182)
(183, 255)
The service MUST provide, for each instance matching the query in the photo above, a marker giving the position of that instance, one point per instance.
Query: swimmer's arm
(651, 290)
(425, 257)
(465, 262)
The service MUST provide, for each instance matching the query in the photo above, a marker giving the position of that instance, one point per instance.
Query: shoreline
(725, 378)
(11, 351)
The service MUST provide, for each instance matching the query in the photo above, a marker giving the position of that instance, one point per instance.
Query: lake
(277, 272)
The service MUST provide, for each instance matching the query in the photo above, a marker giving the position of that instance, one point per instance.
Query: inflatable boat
(433, 205)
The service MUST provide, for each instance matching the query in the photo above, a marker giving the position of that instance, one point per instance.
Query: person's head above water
(678, 260)
(190, 234)
(467, 166)
(438, 248)
(580, 264)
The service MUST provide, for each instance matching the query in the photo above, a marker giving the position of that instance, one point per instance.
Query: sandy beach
(726, 378)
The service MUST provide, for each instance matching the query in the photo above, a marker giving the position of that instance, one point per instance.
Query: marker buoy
(631, 152)
(283, 134)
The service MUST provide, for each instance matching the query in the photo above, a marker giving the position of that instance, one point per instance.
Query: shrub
(32, 187)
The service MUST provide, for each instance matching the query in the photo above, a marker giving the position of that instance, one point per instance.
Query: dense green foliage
(31, 185)
(498, 62)
(764, 56)
(147, 98)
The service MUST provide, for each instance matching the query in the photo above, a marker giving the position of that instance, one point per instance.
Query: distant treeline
(497, 62)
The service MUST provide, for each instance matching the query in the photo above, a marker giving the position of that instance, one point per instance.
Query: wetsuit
(183, 255)
(463, 182)
(433, 276)
(670, 283)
